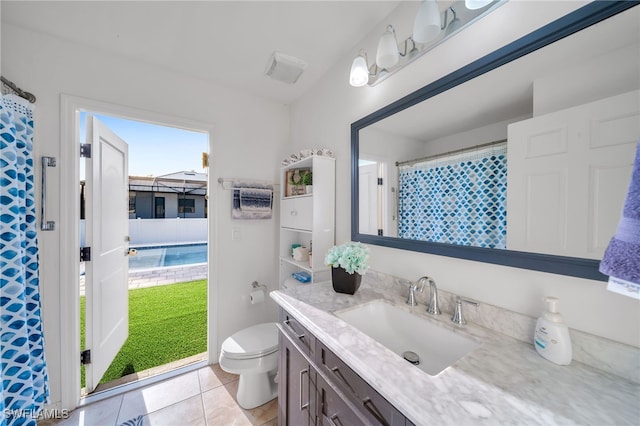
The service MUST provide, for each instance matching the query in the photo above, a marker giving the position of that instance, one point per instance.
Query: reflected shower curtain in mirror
(24, 381)
(456, 199)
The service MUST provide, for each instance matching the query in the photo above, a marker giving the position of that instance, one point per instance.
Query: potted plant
(297, 180)
(348, 262)
(307, 180)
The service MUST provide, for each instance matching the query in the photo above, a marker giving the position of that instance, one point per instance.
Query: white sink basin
(401, 331)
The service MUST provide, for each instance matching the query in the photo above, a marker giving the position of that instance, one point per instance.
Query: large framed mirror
(555, 159)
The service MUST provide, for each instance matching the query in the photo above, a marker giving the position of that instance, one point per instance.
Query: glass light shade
(476, 4)
(427, 24)
(359, 75)
(388, 54)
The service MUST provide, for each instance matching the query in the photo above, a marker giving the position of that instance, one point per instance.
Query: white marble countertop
(504, 381)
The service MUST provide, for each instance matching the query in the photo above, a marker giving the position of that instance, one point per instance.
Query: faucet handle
(411, 299)
(457, 316)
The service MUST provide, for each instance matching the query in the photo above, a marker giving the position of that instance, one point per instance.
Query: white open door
(368, 191)
(107, 228)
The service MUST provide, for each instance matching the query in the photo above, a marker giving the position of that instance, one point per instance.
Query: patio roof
(180, 182)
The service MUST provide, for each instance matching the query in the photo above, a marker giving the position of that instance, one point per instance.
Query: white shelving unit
(308, 219)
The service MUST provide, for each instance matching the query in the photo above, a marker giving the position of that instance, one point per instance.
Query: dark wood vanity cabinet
(317, 388)
(297, 376)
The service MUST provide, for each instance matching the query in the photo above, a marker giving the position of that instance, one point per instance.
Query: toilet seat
(252, 342)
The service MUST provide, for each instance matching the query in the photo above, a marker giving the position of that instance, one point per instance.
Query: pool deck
(161, 276)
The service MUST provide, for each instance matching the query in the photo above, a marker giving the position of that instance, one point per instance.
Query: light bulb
(476, 4)
(359, 75)
(427, 24)
(387, 54)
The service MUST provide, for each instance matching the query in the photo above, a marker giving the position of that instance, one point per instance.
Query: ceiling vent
(285, 68)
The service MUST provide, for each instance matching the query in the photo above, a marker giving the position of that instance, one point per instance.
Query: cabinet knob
(294, 212)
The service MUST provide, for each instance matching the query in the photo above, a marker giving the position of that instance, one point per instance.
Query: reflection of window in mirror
(457, 197)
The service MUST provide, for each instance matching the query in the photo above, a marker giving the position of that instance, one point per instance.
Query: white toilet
(253, 354)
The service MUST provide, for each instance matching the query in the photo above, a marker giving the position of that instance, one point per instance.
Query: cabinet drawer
(333, 410)
(374, 407)
(298, 334)
(297, 213)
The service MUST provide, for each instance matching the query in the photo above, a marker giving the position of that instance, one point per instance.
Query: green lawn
(166, 323)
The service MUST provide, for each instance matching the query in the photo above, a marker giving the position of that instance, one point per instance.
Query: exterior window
(186, 206)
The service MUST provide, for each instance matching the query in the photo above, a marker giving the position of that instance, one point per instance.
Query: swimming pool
(168, 255)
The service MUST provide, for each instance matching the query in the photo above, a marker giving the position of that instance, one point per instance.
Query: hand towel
(621, 259)
(255, 200)
(251, 200)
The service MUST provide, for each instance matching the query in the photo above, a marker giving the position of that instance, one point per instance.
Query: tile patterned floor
(204, 397)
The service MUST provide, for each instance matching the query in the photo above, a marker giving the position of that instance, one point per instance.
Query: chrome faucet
(433, 307)
(411, 300)
(457, 317)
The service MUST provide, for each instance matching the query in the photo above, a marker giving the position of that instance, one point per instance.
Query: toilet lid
(251, 342)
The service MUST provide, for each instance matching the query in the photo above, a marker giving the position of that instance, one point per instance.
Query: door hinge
(380, 181)
(380, 232)
(85, 254)
(85, 357)
(85, 150)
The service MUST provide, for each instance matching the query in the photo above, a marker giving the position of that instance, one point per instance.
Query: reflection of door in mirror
(377, 201)
(569, 172)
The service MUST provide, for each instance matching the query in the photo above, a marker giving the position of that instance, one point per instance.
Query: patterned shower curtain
(23, 380)
(458, 199)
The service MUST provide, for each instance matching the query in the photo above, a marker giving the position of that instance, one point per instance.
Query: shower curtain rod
(456, 151)
(18, 91)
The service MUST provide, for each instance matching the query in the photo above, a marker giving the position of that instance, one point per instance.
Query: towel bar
(46, 225)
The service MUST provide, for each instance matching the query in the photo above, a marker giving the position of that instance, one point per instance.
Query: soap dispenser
(551, 338)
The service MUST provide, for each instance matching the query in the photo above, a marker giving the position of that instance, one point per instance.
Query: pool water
(164, 256)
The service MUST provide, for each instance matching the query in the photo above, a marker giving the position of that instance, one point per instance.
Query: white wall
(324, 115)
(49, 67)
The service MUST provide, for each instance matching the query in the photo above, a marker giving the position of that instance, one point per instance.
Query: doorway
(154, 319)
(72, 110)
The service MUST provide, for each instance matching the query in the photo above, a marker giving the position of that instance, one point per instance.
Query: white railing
(162, 231)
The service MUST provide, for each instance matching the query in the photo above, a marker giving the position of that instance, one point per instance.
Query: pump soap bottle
(551, 337)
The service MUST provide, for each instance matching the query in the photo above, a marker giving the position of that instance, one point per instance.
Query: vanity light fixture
(430, 28)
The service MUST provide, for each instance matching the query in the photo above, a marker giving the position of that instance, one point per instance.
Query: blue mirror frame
(578, 20)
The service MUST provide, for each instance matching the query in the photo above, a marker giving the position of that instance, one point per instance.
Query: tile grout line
(119, 409)
(204, 414)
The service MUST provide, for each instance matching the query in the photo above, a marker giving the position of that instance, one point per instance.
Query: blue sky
(156, 150)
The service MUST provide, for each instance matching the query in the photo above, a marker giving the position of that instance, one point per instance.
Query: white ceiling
(225, 42)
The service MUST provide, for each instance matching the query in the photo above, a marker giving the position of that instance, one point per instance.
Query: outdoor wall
(247, 133)
(324, 115)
